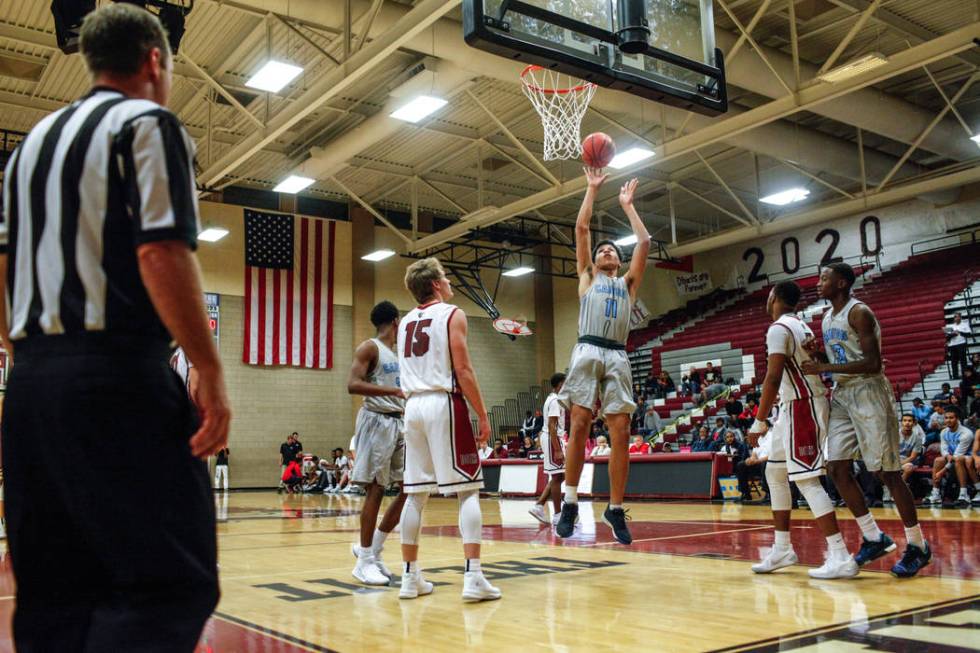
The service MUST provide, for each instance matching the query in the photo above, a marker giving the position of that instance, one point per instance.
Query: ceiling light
(854, 67)
(273, 76)
(976, 139)
(379, 255)
(419, 108)
(212, 234)
(626, 241)
(518, 272)
(785, 197)
(293, 184)
(630, 156)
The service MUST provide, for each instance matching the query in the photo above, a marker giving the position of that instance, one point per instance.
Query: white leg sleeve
(815, 496)
(411, 522)
(470, 518)
(779, 492)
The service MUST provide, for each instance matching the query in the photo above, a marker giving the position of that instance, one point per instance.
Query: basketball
(598, 150)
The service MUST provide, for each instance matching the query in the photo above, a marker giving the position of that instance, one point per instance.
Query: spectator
(527, 428)
(733, 408)
(287, 453)
(975, 361)
(639, 447)
(639, 414)
(975, 459)
(651, 421)
(937, 421)
(599, 429)
(221, 468)
(710, 392)
(499, 450)
(695, 378)
(967, 384)
(921, 412)
(747, 416)
(703, 442)
(538, 424)
(954, 447)
(711, 374)
(485, 450)
(686, 389)
(601, 448)
(665, 383)
(717, 434)
(975, 403)
(650, 383)
(527, 446)
(944, 394)
(735, 450)
(754, 466)
(956, 334)
(910, 448)
(667, 448)
(293, 474)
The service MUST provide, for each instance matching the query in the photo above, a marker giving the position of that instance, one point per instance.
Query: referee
(99, 223)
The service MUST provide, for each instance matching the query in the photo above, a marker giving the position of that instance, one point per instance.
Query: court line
(674, 537)
(273, 634)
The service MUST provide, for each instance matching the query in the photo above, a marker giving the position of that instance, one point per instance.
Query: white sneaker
(539, 513)
(477, 588)
(934, 498)
(381, 566)
(777, 559)
(367, 572)
(555, 518)
(414, 586)
(836, 566)
(887, 496)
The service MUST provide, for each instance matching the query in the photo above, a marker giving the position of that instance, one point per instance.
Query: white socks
(571, 494)
(836, 544)
(378, 541)
(782, 540)
(869, 528)
(472, 564)
(914, 536)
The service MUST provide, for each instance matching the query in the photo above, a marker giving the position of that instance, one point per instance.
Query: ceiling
(463, 158)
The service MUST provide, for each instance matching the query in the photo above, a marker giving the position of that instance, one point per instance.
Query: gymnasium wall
(270, 403)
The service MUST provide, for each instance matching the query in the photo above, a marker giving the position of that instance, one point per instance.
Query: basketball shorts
(596, 372)
(552, 454)
(440, 448)
(799, 438)
(863, 424)
(380, 449)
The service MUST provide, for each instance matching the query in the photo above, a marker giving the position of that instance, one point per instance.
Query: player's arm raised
(638, 264)
(365, 358)
(863, 321)
(583, 236)
(465, 376)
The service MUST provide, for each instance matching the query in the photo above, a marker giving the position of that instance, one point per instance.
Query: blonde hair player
(599, 367)
(440, 449)
(799, 438)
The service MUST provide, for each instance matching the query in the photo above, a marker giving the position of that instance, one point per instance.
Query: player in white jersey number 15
(799, 438)
(440, 449)
(599, 367)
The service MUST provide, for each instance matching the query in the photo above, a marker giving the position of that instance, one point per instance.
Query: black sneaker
(912, 561)
(872, 550)
(566, 523)
(962, 502)
(616, 520)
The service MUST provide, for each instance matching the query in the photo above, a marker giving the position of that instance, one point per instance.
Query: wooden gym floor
(684, 585)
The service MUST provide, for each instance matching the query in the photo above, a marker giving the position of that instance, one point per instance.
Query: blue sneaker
(566, 522)
(871, 550)
(912, 561)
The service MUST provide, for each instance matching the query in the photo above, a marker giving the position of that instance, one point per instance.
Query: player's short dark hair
(788, 292)
(557, 379)
(606, 241)
(904, 415)
(383, 313)
(844, 271)
(118, 37)
(950, 408)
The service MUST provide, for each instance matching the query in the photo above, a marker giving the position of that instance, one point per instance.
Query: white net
(561, 102)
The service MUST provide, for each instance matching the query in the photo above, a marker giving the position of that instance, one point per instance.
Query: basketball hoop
(512, 328)
(561, 103)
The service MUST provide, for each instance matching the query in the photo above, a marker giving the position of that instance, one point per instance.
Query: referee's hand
(212, 404)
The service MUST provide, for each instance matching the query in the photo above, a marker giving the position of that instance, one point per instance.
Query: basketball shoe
(539, 513)
(837, 565)
(365, 570)
(777, 559)
(872, 550)
(476, 587)
(566, 523)
(414, 586)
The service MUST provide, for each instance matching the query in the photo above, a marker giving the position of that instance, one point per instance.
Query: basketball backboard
(675, 63)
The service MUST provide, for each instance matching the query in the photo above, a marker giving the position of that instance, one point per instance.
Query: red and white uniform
(553, 444)
(799, 436)
(440, 449)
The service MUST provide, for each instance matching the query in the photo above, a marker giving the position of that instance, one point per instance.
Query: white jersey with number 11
(424, 360)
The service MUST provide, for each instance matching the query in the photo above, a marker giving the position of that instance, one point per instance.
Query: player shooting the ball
(599, 367)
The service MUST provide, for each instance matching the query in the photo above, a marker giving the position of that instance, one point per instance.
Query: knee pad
(470, 517)
(779, 493)
(411, 521)
(816, 497)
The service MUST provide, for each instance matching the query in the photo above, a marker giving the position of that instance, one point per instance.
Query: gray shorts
(380, 453)
(597, 372)
(863, 424)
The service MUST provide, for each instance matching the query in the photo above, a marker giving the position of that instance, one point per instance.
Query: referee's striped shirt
(84, 189)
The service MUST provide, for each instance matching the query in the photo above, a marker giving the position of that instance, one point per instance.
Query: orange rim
(557, 91)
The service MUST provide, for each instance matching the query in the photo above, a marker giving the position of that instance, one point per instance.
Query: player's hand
(812, 367)
(595, 177)
(758, 426)
(484, 430)
(811, 345)
(212, 404)
(626, 193)
(400, 394)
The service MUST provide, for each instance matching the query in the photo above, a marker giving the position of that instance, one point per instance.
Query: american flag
(288, 290)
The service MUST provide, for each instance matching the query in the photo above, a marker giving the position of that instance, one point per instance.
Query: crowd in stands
(304, 472)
